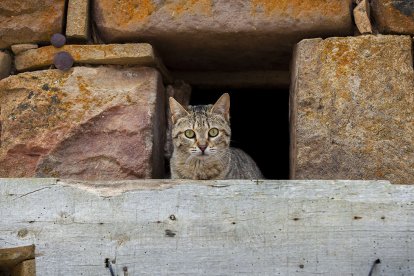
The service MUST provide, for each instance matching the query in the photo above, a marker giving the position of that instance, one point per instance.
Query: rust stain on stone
(296, 8)
(135, 10)
(341, 54)
(193, 6)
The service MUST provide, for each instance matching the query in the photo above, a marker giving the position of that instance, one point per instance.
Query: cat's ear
(222, 106)
(177, 110)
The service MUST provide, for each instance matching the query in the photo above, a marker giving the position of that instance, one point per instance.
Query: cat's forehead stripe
(200, 117)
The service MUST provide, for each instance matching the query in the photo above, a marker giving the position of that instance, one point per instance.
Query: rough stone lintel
(133, 54)
(217, 79)
(222, 35)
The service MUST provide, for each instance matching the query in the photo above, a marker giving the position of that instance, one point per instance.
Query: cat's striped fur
(206, 156)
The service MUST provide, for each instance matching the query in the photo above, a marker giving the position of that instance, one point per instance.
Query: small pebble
(58, 40)
(63, 61)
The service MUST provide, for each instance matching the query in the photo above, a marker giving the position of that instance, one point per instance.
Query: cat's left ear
(222, 106)
(177, 110)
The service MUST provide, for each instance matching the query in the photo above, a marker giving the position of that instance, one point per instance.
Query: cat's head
(201, 131)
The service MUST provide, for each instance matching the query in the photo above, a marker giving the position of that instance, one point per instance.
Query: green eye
(213, 132)
(189, 133)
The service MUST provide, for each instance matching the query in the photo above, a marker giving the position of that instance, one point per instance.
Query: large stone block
(352, 109)
(394, 16)
(221, 34)
(29, 21)
(87, 123)
(5, 64)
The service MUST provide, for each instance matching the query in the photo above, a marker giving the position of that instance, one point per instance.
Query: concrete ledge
(159, 227)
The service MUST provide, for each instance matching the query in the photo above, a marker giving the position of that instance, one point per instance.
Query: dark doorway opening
(259, 123)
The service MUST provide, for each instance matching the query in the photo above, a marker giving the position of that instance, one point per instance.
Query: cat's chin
(203, 156)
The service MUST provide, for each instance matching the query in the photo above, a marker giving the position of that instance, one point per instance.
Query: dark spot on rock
(233, 222)
(101, 223)
(382, 217)
(31, 93)
(23, 106)
(357, 217)
(31, 221)
(404, 6)
(55, 99)
(169, 233)
(158, 221)
(296, 219)
(172, 217)
(22, 233)
(34, 78)
(63, 61)
(301, 266)
(58, 40)
(45, 87)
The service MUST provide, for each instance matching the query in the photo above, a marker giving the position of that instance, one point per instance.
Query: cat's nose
(202, 148)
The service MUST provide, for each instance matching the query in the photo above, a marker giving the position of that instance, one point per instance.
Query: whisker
(220, 158)
(188, 160)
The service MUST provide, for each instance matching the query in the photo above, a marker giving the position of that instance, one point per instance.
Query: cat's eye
(189, 133)
(213, 132)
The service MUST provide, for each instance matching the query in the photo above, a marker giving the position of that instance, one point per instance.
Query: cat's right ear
(177, 110)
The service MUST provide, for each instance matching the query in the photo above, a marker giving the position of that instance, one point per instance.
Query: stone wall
(102, 113)
(353, 109)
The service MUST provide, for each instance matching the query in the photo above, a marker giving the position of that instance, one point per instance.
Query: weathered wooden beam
(159, 227)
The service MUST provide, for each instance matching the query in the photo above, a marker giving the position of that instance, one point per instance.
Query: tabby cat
(201, 138)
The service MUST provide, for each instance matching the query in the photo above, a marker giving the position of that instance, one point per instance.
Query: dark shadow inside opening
(260, 125)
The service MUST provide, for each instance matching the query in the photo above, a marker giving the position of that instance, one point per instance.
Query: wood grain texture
(160, 227)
